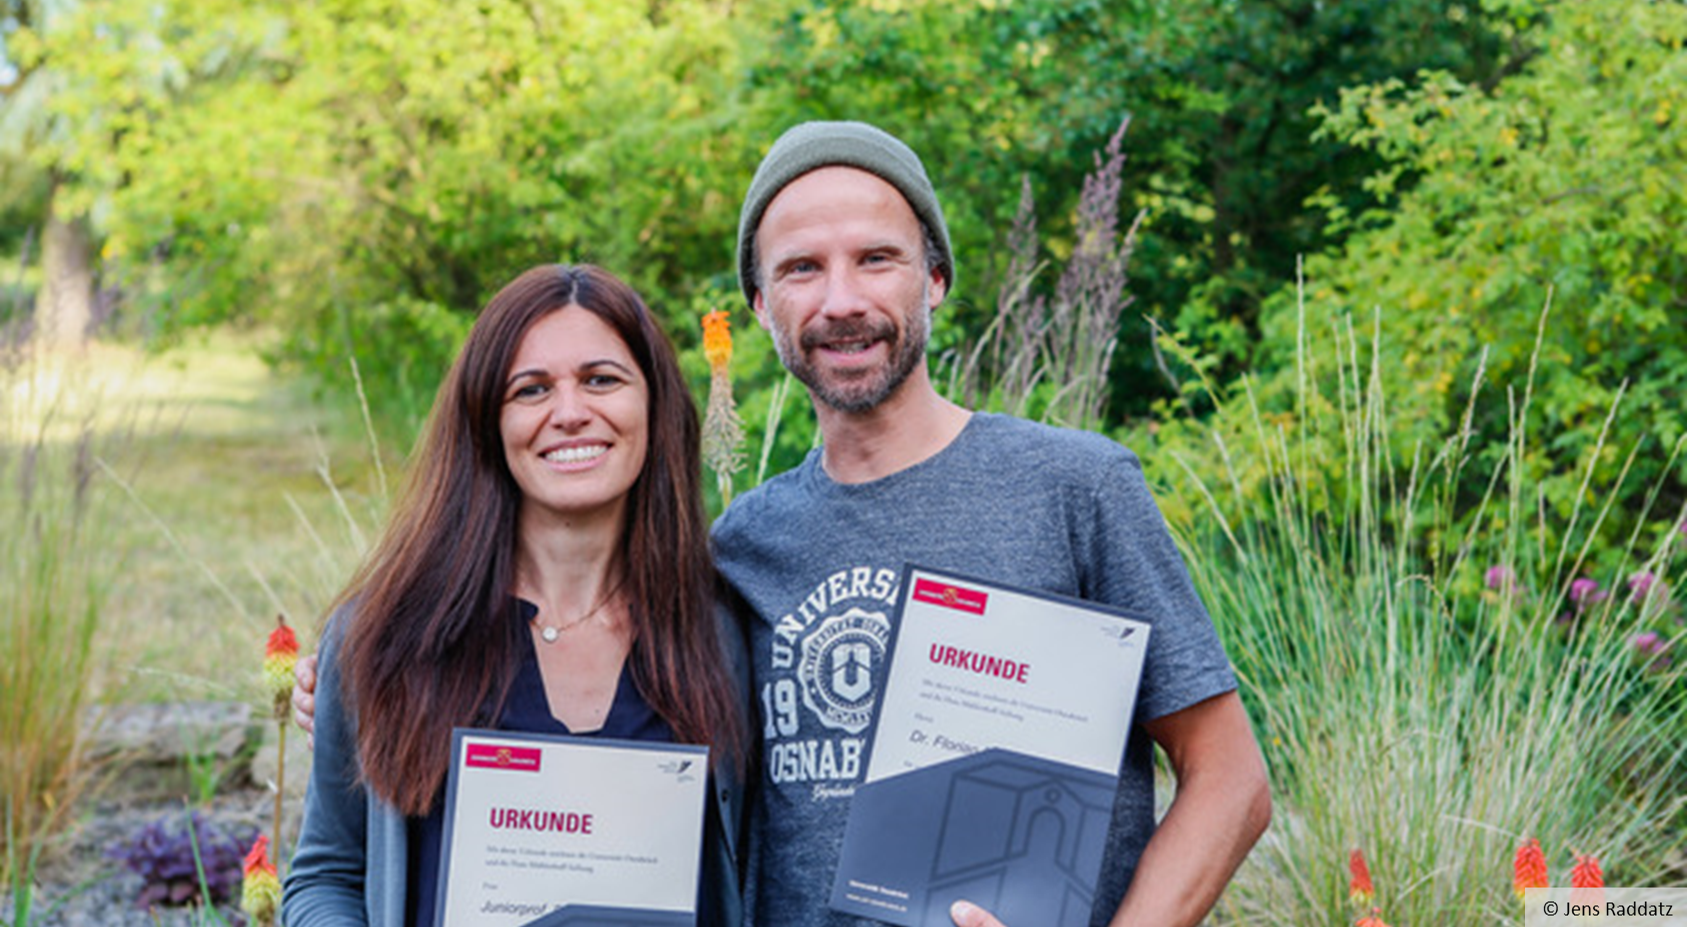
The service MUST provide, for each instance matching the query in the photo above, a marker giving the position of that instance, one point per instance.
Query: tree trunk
(65, 303)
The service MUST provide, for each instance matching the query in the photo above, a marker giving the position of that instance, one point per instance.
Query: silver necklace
(551, 632)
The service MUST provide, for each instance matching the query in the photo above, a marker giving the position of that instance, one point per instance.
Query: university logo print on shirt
(827, 658)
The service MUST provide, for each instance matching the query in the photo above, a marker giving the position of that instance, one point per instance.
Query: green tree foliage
(1220, 153)
(1561, 183)
(40, 159)
(1240, 107)
(23, 201)
(365, 172)
(988, 93)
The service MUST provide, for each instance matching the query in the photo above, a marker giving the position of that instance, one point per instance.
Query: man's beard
(868, 390)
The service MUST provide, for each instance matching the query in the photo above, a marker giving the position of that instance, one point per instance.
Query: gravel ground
(78, 886)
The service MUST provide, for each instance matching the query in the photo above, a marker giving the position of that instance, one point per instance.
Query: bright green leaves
(1562, 181)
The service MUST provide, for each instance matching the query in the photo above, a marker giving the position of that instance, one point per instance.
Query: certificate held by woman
(563, 830)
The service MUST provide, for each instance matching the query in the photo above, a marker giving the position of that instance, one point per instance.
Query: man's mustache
(848, 330)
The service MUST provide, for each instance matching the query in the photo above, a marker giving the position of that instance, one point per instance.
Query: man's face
(844, 288)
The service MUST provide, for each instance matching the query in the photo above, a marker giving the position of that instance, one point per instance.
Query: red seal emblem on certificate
(950, 595)
(497, 756)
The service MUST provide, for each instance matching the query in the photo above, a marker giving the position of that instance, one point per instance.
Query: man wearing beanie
(843, 255)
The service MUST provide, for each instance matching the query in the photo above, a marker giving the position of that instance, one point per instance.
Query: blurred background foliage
(1523, 248)
(358, 176)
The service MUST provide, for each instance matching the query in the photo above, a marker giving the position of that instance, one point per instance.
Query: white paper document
(994, 757)
(977, 665)
(550, 830)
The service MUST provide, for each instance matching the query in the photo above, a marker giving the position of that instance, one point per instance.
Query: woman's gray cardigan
(350, 864)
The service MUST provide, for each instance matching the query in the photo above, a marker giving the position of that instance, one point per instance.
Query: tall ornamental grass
(54, 574)
(1434, 679)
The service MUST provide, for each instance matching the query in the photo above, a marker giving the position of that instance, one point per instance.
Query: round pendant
(549, 634)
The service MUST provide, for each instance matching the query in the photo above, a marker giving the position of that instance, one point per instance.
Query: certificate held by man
(994, 755)
(546, 830)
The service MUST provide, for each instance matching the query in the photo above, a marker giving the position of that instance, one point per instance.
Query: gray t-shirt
(817, 564)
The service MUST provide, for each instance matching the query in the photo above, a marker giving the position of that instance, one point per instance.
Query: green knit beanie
(813, 145)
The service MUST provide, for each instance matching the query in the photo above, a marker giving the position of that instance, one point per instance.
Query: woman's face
(575, 418)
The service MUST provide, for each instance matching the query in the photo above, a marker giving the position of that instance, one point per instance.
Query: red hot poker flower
(282, 642)
(1587, 882)
(280, 656)
(1586, 873)
(260, 890)
(257, 858)
(717, 339)
(1375, 920)
(723, 433)
(1359, 890)
(1528, 867)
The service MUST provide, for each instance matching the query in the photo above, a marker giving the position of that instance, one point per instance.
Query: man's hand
(304, 697)
(967, 914)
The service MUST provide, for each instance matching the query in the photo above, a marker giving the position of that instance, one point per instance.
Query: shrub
(1559, 184)
(1432, 677)
(402, 349)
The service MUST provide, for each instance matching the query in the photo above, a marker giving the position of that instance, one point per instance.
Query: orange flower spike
(257, 858)
(723, 433)
(1375, 920)
(717, 339)
(260, 889)
(1528, 867)
(1359, 890)
(1587, 883)
(1586, 873)
(281, 654)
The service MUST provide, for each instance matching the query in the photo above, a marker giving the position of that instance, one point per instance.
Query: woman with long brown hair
(547, 570)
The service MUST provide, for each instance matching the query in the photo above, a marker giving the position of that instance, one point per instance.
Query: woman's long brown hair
(433, 643)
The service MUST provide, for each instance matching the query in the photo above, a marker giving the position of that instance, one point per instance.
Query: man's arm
(1223, 804)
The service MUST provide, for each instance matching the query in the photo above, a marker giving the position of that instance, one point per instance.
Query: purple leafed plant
(162, 854)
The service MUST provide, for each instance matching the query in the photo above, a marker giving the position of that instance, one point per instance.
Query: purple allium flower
(1640, 584)
(1585, 592)
(1651, 645)
(1500, 577)
(1648, 642)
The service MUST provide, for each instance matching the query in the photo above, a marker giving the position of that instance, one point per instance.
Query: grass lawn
(218, 506)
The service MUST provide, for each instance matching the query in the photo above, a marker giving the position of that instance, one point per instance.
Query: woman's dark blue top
(526, 709)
